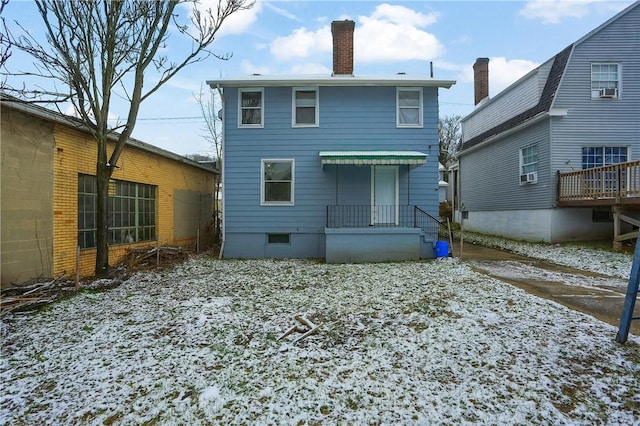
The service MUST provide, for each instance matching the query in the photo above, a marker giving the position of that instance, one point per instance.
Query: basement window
(602, 214)
(278, 238)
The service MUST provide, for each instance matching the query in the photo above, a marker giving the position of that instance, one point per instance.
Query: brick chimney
(481, 79)
(342, 32)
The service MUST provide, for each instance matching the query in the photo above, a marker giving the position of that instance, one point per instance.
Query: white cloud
(311, 68)
(301, 43)
(282, 12)
(237, 23)
(390, 33)
(395, 33)
(249, 68)
(401, 15)
(502, 72)
(553, 11)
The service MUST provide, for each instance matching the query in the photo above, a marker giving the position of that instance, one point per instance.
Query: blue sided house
(341, 167)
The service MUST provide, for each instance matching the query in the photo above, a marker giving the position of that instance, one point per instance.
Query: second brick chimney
(481, 79)
(342, 32)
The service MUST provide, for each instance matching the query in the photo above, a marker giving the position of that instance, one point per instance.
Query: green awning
(361, 158)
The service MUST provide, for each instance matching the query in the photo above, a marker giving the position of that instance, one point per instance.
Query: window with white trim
(605, 80)
(409, 107)
(277, 182)
(529, 164)
(305, 107)
(250, 108)
(596, 156)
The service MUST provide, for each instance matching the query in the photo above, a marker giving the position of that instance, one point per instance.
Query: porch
(616, 186)
(376, 233)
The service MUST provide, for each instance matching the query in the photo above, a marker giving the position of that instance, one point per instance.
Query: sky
(294, 37)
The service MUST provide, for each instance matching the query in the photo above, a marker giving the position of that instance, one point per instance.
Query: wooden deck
(618, 184)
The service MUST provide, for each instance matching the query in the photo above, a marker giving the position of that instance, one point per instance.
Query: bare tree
(96, 49)
(210, 103)
(450, 134)
(5, 44)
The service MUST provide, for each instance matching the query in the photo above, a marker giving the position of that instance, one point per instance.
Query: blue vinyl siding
(351, 118)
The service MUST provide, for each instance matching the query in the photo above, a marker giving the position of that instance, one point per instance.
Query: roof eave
(337, 81)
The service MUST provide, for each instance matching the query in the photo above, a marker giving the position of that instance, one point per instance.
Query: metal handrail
(365, 215)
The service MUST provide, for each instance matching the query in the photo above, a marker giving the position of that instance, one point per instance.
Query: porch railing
(362, 216)
(617, 181)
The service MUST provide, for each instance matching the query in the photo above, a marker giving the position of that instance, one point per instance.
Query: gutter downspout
(222, 173)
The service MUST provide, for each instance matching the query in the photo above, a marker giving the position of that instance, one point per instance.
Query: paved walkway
(601, 296)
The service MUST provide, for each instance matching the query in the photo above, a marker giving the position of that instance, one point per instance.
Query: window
(596, 156)
(305, 107)
(409, 107)
(251, 108)
(605, 76)
(529, 164)
(277, 182)
(131, 212)
(278, 239)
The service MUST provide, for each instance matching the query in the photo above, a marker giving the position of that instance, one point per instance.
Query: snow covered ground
(399, 343)
(574, 255)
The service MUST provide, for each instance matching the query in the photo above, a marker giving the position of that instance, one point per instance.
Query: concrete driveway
(595, 294)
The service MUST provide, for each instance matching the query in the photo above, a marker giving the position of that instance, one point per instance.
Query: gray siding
(490, 175)
(524, 94)
(351, 118)
(599, 122)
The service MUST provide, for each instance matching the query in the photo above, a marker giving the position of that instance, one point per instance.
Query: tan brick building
(47, 196)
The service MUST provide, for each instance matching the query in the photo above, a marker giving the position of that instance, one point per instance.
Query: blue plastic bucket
(441, 248)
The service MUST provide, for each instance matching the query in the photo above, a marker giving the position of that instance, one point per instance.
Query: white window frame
(264, 202)
(420, 107)
(251, 89)
(595, 91)
(316, 122)
(522, 164)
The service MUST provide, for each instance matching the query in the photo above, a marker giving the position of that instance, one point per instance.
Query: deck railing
(362, 216)
(615, 183)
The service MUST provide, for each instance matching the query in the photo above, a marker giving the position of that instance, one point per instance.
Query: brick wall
(74, 153)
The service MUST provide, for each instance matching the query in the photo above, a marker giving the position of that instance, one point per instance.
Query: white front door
(384, 194)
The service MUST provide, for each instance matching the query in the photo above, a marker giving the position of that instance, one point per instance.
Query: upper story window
(529, 164)
(409, 107)
(251, 105)
(277, 182)
(305, 107)
(605, 80)
(596, 156)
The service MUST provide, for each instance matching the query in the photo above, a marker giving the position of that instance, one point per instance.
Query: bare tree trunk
(103, 174)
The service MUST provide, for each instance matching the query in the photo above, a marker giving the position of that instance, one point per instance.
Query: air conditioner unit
(529, 177)
(609, 93)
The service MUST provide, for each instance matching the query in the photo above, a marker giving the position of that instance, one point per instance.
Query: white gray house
(554, 157)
